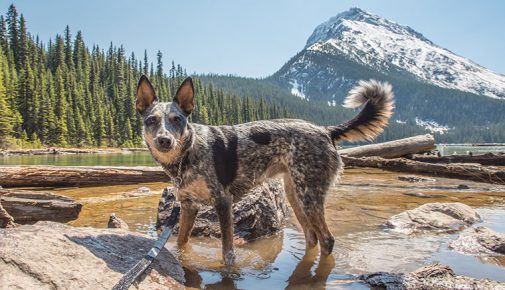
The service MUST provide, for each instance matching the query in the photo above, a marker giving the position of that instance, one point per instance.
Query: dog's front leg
(223, 205)
(189, 210)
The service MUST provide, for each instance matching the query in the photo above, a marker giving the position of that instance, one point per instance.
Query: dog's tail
(370, 122)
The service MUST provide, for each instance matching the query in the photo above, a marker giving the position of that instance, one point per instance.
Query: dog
(217, 165)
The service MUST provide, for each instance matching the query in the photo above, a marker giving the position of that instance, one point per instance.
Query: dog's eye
(150, 121)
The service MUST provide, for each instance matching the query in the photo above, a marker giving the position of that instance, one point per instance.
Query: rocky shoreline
(50, 255)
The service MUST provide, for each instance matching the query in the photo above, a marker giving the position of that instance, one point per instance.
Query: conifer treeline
(64, 94)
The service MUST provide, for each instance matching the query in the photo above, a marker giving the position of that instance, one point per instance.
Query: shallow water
(355, 211)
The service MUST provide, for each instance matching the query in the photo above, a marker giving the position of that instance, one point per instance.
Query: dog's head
(165, 124)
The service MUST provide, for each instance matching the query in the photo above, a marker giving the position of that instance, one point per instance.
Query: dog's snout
(164, 142)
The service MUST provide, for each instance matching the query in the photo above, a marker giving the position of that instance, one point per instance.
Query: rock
(434, 276)
(480, 241)
(258, 214)
(116, 223)
(416, 194)
(32, 206)
(49, 255)
(414, 178)
(438, 217)
(6, 220)
(139, 192)
(463, 186)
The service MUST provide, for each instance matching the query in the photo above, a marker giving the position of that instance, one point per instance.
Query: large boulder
(434, 276)
(438, 217)
(49, 255)
(480, 241)
(260, 213)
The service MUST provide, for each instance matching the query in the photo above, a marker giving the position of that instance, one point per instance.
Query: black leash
(139, 268)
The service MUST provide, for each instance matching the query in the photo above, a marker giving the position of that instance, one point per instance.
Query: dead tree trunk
(493, 159)
(472, 172)
(393, 149)
(32, 206)
(48, 176)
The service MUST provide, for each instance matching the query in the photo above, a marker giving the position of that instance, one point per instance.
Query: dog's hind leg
(310, 235)
(223, 205)
(189, 210)
(313, 207)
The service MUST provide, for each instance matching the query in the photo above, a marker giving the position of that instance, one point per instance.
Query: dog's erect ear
(145, 94)
(185, 95)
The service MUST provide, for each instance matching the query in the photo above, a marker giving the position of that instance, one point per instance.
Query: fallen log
(48, 176)
(393, 149)
(32, 206)
(493, 159)
(472, 172)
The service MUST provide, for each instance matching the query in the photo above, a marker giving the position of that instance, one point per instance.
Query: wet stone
(260, 213)
(480, 241)
(434, 276)
(437, 217)
(116, 223)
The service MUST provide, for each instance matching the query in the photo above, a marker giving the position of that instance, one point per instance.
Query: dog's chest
(196, 190)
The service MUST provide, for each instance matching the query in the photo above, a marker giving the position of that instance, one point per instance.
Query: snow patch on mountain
(383, 44)
(297, 90)
(432, 126)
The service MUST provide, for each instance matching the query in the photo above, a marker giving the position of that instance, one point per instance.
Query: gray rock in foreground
(433, 276)
(50, 255)
(437, 217)
(480, 241)
(261, 213)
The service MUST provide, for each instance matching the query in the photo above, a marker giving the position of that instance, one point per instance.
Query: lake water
(145, 159)
(355, 211)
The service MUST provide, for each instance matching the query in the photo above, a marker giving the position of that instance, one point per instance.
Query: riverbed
(355, 212)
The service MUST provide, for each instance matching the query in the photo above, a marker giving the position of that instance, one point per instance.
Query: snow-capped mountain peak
(384, 45)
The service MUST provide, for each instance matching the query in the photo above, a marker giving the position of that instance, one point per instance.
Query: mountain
(387, 46)
(435, 88)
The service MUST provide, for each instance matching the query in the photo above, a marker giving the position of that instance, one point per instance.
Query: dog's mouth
(164, 149)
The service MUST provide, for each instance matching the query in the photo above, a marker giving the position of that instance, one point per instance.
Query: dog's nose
(165, 142)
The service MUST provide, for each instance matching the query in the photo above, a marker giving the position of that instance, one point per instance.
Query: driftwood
(32, 206)
(393, 149)
(473, 172)
(47, 176)
(494, 159)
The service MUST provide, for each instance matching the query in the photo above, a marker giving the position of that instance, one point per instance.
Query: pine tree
(6, 120)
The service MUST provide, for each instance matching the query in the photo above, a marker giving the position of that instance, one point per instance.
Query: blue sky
(255, 38)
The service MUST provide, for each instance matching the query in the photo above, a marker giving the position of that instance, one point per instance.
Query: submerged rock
(434, 276)
(260, 213)
(480, 241)
(116, 223)
(438, 217)
(139, 192)
(414, 178)
(49, 255)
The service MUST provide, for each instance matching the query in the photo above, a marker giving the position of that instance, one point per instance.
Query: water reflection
(303, 277)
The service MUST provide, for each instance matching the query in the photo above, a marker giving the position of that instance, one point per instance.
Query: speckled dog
(219, 164)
